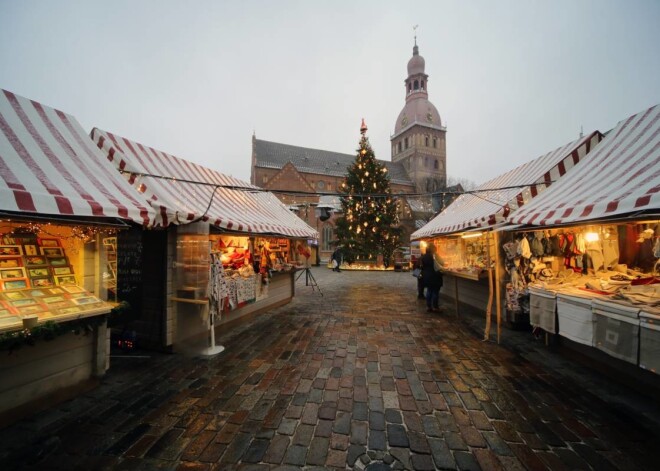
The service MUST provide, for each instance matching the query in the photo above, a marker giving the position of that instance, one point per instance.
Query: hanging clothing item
(217, 287)
(594, 250)
(610, 252)
(523, 248)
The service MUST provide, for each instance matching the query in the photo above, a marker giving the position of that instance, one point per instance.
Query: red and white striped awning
(50, 166)
(191, 192)
(490, 203)
(621, 178)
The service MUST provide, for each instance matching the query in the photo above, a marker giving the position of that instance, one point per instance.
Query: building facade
(306, 179)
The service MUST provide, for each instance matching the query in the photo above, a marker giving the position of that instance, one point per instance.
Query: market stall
(466, 234)
(232, 248)
(59, 201)
(603, 245)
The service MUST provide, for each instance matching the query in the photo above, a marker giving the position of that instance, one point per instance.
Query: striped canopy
(490, 203)
(49, 166)
(621, 178)
(190, 192)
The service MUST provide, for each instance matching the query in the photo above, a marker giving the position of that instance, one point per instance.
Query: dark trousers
(432, 297)
(420, 288)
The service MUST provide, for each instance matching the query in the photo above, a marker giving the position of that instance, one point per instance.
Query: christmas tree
(370, 224)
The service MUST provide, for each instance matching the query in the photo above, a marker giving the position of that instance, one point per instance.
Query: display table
(576, 318)
(649, 340)
(542, 309)
(616, 330)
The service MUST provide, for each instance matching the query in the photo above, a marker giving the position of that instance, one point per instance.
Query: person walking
(336, 259)
(432, 278)
(417, 264)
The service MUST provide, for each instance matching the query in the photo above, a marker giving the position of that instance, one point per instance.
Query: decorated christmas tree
(370, 224)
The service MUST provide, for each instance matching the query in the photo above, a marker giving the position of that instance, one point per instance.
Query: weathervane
(415, 31)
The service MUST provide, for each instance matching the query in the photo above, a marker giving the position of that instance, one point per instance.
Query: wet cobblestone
(361, 378)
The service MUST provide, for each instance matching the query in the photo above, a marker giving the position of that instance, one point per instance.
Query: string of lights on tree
(369, 225)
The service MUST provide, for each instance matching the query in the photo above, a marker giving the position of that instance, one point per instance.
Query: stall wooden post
(489, 305)
(498, 277)
(456, 295)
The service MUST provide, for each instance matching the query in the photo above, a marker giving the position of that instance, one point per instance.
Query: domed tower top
(418, 109)
(416, 63)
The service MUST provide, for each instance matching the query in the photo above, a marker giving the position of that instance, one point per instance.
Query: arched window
(416, 85)
(405, 142)
(426, 161)
(426, 141)
(399, 146)
(435, 164)
(328, 236)
(435, 142)
(422, 84)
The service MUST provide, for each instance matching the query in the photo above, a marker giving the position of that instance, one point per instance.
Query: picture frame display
(11, 251)
(38, 272)
(23, 302)
(12, 273)
(58, 261)
(73, 289)
(14, 284)
(52, 251)
(36, 261)
(44, 282)
(65, 280)
(11, 262)
(49, 242)
(30, 250)
(13, 295)
(62, 271)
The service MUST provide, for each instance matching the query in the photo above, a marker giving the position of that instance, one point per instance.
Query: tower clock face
(404, 120)
(429, 117)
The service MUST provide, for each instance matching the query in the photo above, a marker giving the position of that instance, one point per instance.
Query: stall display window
(41, 274)
(192, 266)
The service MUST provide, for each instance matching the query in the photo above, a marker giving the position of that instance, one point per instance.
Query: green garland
(50, 330)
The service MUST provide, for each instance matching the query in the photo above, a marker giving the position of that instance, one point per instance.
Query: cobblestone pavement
(361, 378)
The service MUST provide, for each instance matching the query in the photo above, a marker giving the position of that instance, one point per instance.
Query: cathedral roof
(275, 155)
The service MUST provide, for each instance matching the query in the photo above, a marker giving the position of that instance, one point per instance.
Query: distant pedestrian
(432, 278)
(417, 265)
(336, 259)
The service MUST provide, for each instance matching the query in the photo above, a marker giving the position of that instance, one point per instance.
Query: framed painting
(69, 310)
(32, 309)
(86, 300)
(62, 271)
(36, 261)
(38, 272)
(58, 261)
(23, 302)
(52, 251)
(14, 284)
(37, 293)
(56, 290)
(12, 273)
(11, 251)
(30, 249)
(65, 280)
(53, 299)
(11, 262)
(73, 289)
(14, 295)
(44, 282)
(49, 242)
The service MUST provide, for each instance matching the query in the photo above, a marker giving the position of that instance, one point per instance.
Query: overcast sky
(512, 80)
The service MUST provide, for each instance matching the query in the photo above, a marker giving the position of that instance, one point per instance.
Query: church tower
(418, 141)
